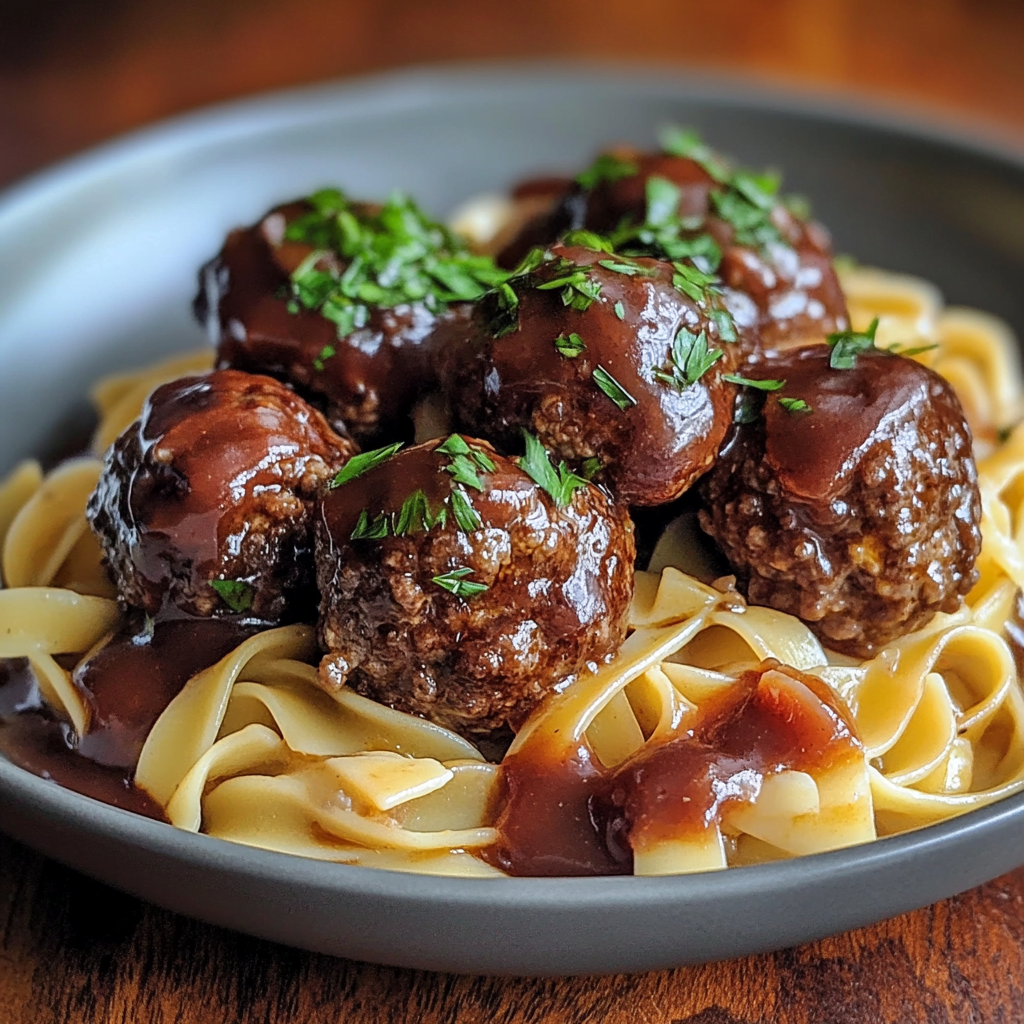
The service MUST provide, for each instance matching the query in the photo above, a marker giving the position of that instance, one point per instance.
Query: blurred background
(74, 72)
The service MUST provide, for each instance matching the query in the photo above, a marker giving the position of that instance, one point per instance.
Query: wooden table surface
(73, 72)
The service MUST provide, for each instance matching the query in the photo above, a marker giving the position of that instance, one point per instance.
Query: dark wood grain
(73, 72)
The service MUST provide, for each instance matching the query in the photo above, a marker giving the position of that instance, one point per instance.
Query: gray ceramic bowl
(97, 267)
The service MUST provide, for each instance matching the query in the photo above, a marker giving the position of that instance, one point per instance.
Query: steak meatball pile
(615, 353)
(859, 513)
(206, 502)
(456, 587)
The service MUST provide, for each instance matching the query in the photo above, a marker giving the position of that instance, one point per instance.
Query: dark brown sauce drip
(570, 817)
(129, 681)
(545, 822)
(32, 739)
(812, 453)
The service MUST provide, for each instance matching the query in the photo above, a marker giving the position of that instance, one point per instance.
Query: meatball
(206, 502)
(776, 267)
(346, 319)
(616, 369)
(456, 588)
(852, 501)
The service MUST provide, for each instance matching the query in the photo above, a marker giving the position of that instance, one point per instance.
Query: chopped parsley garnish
(570, 345)
(465, 461)
(620, 310)
(692, 282)
(456, 582)
(690, 360)
(795, 405)
(560, 483)
(743, 198)
(367, 257)
(370, 529)
(607, 167)
(591, 467)
(687, 143)
(325, 353)
(363, 463)
(760, 385)
(579, 290)
(466, 517)
(629, 269)
(847, 345)
(236, 594)
(415, 515)
(588, 239)
(722, 319)
(662, 201)
(612, 388)
(914, 350)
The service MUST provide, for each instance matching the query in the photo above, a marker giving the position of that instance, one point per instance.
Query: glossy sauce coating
(558, 584)
(372, 379)
(33, 739)
(215, 482)
(571, 817)
(787, 288)
(129, 682)
(861, 516)
(651, 450)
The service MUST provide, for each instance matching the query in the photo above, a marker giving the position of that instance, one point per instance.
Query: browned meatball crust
(206, 502)
(860, 516)
(597, 383)
(365, 379)
(776, 267)
(465, 605)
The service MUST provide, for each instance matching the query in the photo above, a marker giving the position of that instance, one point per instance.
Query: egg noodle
(254, 751)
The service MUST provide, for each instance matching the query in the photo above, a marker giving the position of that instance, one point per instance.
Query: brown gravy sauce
(568, 816)
(127, 684)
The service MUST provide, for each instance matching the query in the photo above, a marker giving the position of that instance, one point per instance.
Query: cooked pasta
(253, 750)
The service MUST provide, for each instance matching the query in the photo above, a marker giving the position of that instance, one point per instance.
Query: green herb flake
(590, 468)
(620, 310)
(415, 516)
(466, 517)
(795, 405)
(560, 483)
(325, 353)
(236, 594)
(464, 471)
(724, 323)
(588, 240)
(760, 385)
(690, 359)
(607, 167)
(913, 350)
(847, 345)
(629, 269)
(692, 282)
(687, 143)
(364, 257)
(457, 583)
(370, 529)
(612, 388)
(363, 463)
(569, 346)
(662, 201)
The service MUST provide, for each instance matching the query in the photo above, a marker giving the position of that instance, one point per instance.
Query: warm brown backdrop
(73, 72)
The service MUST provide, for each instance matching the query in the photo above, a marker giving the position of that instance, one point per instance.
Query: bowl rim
(405, 90)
